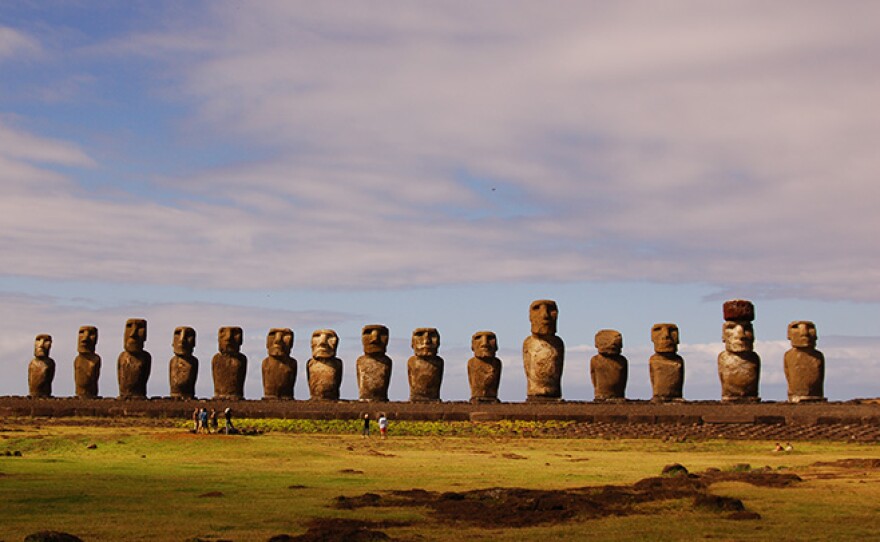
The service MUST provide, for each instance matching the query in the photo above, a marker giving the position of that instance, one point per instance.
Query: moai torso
(41, 369)
(543, 353)
(324, 369)
(425, 368)
(484, 369)
(134, 363)
(183, 368)
(374, 367)
(739, 367)
(229, 365)
(608, 369)
(804, 365)
(665, 365)
(87, 365)
(279, 369)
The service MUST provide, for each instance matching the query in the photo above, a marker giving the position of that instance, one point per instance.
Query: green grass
(144, 483)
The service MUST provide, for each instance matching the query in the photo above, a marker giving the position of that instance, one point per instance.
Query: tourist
(213, 419)
(383, 425)
(365, 433)
(203, 420)
(195, 420)
(228, 415)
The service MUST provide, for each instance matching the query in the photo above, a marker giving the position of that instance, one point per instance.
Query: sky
(441, 164)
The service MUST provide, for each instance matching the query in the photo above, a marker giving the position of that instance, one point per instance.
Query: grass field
(154, 483)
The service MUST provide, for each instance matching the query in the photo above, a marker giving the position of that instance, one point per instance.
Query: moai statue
(183, 369)
(804, 365)
(739, 367)
(543, 353)
(665, 365)
(229, 365)
(279, 369)
(484, 369)
(425, 367)
(324, 370)
(608, 369)
(87, 365)
(133, 364)
(41, 369)
(374, 367)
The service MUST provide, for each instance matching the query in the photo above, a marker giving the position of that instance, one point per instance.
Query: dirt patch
(341, 530)
(377, 453)
(519, 507)
(351, 471)
(850, 463)
(212, 494)
(296, 486)
(513, 456)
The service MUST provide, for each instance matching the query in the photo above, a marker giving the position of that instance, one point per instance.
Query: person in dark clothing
(366, 430)
(228, 415)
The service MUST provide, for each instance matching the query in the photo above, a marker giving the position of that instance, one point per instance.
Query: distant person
(778, 448)
(365, 432)
(213, 419)
(789, 447)
(228, 415)
(383, 425)
(203, 420)
(195, 417)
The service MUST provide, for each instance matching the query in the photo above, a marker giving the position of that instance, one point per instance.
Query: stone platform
(692, 413)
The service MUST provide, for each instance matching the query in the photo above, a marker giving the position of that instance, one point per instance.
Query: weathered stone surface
(374, 367)
(484, 369)
(665, 365)
(739, 310)
(324, 369)
(41, 369)
(543, 353)
(134, 363)
(229, 365)
(279, 369)
(425, 368)
(183, 368)
(804, 365)
(608, 368)
(739, 367)
(87, 364)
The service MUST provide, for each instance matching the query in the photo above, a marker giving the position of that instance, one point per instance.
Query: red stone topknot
(739, 310)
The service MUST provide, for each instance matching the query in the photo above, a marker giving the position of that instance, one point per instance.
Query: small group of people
(780, 448)
(204, 422)
(382, 421)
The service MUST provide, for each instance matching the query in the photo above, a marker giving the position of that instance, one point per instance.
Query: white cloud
(14, 43)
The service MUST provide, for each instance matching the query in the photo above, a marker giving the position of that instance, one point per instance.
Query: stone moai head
(87, 340)
(542, 315)
(230, 339)
(135, 335)
(375, 339)
(425, 341)
(737, 331)
(42, 345)
(279, 342)
(802, 334)
(324, 343)
(609, 342)
(665, 338)
(184, 341)
(484, 344)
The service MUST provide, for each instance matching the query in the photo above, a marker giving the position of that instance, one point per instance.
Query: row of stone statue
(543, 356)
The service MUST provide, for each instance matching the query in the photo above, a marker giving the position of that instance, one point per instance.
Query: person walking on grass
(196, 420)
(203, 420)
(383, 425)
(365, 433)
(213, 419)
(228, 415)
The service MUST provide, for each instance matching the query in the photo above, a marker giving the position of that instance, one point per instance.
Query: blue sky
(304, 165)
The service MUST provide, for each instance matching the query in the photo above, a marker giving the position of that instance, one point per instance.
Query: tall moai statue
(324, 369)
(608, 368)
(41, 369)
(484, 369)
(543, 353)
(229, 365)
(183, 368)
(279, 369)
(374, 367)
(665, 365)
(133, 364)
(804, 365)
(87, 364)
(425, 368)
(739, 367)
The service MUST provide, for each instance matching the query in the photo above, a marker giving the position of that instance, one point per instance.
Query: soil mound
(850, 463)
(340, 530)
